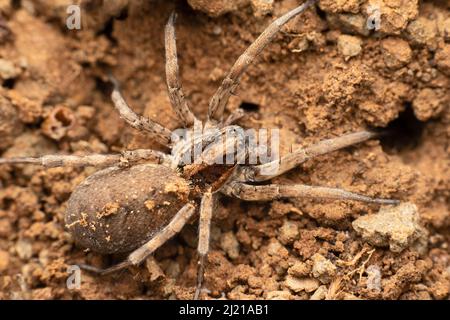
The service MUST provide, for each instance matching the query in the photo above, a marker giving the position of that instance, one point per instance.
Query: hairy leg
(275, 191)
(162, 134)
(204, 230)
(229, 84)
(175, 90)
(233, 117)
(95, 160)
(263, 173)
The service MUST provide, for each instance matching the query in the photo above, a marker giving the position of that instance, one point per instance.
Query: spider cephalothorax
(136, 206)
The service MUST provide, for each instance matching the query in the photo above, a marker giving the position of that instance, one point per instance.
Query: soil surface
(324, 75)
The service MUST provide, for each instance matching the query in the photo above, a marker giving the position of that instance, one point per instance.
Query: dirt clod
(428, 104)
(320, 293)
(397, 227)
(299, 269)
(8, 70)
(262, 7)
(422, 32)
(349, 46)
(230, 245)
(301, 284)
(216, 8)
(288, 232)
(443, 59)
(323, 269)
(397, 52)
(58, 123)
(279, 295)
(24, 249)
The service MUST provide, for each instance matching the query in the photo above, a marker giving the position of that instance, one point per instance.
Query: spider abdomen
(118, 209)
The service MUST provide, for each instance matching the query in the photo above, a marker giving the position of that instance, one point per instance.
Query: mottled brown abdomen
(118, 209)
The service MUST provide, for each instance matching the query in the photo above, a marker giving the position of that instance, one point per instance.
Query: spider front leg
(266, 172)
(162, 134)
(204, 229)
(176, 95)
(141, 253)
(229, 84)
(233, 117)
(95, 160)
(269, 192)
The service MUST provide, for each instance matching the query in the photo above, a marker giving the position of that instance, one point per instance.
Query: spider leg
(141, 253)
(95, 160)
(265, 171)
(162, 134)
(269, 192)
(229, 84)
(233, 117)
(176, 95)
(102, 272)
(203, 238)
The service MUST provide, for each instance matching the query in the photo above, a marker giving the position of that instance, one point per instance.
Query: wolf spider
(132, 207)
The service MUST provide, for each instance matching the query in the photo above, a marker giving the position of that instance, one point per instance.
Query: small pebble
(396, 52)
(215, 8)
(44, 257)
(351, 23)
(217, 30)
(262, 7)
(301, 284)
(299, 269)
(255, 282)
(230, 245)
(427, 104)
(24, 249)
(288, 232)
(397, 227)
(279, 295)
(320, 293)
(423, 32)
(349, 46)
(323, 269)
(8, 70)
(275, 248)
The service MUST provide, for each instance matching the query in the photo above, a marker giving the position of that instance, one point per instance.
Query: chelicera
(145, 197)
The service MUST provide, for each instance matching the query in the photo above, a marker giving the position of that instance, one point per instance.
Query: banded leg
(95, 160)
(263, 172)
(275, 191)
(140, 123)
(219, 100)
(204, 230)
(175, 90)
(141, 253)
(233, 117)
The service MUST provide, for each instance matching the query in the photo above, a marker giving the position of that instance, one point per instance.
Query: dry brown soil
(324, 75)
